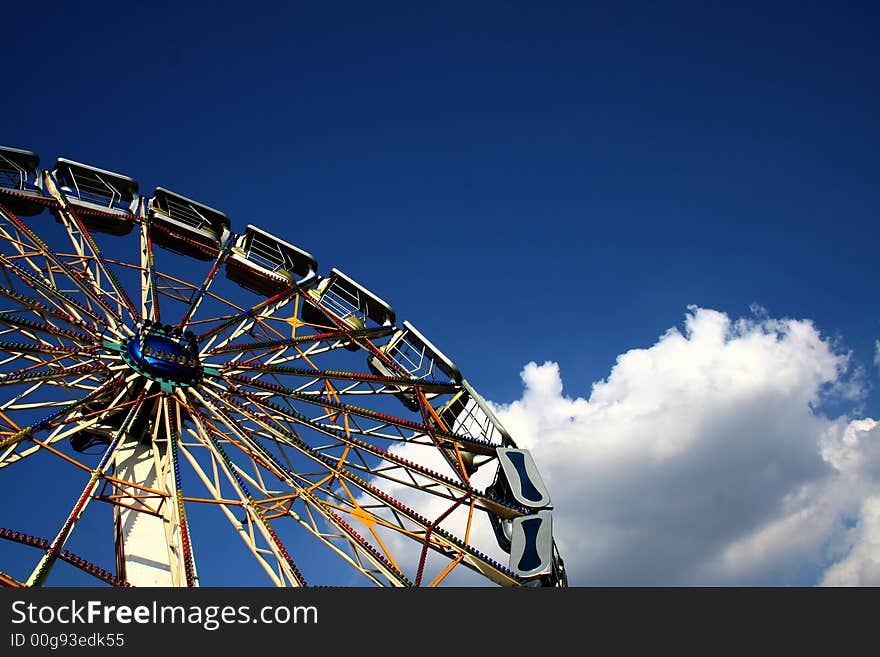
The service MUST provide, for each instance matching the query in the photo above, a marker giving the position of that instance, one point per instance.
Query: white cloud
(703, 459)
(861, 566)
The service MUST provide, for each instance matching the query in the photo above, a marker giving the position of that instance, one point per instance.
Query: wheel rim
(284, 408)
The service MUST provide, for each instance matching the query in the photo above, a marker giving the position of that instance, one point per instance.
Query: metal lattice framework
(210, 386)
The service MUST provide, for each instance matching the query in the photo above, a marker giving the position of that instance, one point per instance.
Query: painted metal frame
(292, 435)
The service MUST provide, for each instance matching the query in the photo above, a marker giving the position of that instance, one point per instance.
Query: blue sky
(524, 182)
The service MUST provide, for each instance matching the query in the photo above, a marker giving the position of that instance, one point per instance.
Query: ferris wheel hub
(164, 354)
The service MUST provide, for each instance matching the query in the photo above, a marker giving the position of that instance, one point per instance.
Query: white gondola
(105, 200)
(415, 355)
(532, 547)
(21, 185)
(267, 265)
(518, 479)
(467, 414)
(349, 301)
(186, 226)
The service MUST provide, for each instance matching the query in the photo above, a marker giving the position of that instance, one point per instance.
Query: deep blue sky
(523, 181)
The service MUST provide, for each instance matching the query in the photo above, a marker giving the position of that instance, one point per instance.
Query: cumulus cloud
(861, 566)
(703, 459)
(706, 459)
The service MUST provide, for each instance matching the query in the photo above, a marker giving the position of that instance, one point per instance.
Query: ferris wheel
(196, 402)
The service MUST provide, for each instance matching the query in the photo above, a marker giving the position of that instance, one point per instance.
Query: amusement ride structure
(193, 385)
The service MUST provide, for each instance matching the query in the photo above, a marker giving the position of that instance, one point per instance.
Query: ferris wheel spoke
(121, 295)
(75, 224)
(432, 420)
(244, 529)
(62, 300)
(386, 465)
(282, 355)
(381, 562)
(18, 378)
(82, 240)
(65, 421)
(246, 319)
(383, 420)
(173, 289)
(281, 506)
(445, 541)
(172, 429)
(42, 310)
(65, 363)
(427, 542)
(67, 424)
(51, 356)
(19, 329)
(89, 290)
(18, 401)
(21, 323)
(65, 555)
(86, 382)
(344, 542)
(20, 349)
(325, 422)
(41, 571)
(148, 275)
(335, 375)
(184, 292)
(210, 439)
(24, 248)
(222, 255)
(327, 336)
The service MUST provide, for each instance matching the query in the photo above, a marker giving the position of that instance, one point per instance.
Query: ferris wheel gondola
(203, 383)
